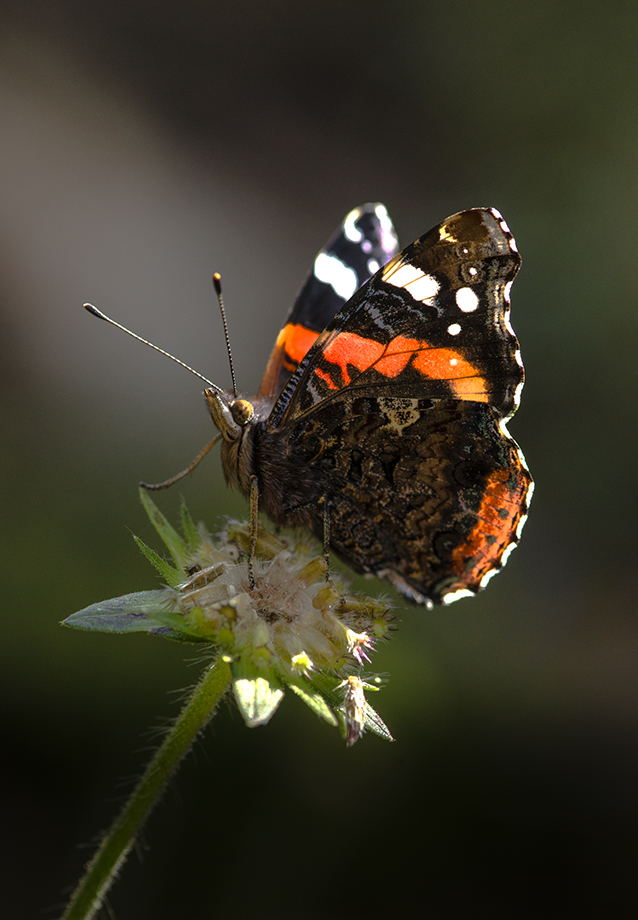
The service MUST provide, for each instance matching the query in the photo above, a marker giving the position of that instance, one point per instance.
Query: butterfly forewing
(434, 320)
(364, 243)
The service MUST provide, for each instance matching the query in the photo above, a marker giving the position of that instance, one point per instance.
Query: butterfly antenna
(217, 284)
(100, 315)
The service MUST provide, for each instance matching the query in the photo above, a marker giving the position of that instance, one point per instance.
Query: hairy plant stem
(103, 868)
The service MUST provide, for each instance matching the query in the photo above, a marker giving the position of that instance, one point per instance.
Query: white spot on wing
(332, 271)
(521, 524)
(506, 291)
(389, 240)
(490, 575)
(472, 270)
(532, 486)
(454, 329)
(350, 230)
(530, 491)
(421, 286)
(456, 595)
(424, 288)
(503, 426)
(466, 300)
(507, 552)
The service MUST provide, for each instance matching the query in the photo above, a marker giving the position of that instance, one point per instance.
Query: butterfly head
(230, 414)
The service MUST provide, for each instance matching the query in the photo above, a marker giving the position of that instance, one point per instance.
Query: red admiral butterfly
(384, 406)
(381, 418)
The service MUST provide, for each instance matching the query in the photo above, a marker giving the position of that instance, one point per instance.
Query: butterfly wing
(397, 414)
(365, 241)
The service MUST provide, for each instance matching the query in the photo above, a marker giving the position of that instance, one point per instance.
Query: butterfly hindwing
(430, 494)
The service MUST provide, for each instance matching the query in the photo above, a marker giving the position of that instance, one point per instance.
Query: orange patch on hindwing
(497, 518)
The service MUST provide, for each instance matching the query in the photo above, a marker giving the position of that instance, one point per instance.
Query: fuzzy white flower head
(270, 611)
(287, 626)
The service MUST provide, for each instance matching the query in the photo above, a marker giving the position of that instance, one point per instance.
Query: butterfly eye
(222, 415)
(242, 411)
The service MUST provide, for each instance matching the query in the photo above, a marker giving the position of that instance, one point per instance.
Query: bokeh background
(144, 146)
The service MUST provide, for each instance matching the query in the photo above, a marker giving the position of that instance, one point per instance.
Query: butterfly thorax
(286, 493)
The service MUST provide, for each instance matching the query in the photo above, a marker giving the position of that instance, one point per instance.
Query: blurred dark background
(144, 146)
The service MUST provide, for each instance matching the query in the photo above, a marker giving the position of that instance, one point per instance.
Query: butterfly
(382, 416)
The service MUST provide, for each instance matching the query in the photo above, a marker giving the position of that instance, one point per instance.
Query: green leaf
(176, 546)
(144, 611)
(374, 723)
(189, 527)
(172, 576)
(314, 701)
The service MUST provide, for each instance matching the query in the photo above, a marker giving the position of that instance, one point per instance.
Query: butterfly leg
(189, 469)
(254, 527)
(326, 538)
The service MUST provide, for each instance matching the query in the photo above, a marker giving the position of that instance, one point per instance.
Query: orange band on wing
(347, 348)
(327, 379)
(350, 348)
(297, 340)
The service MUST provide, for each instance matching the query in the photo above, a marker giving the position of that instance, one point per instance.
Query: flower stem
(105, 865)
